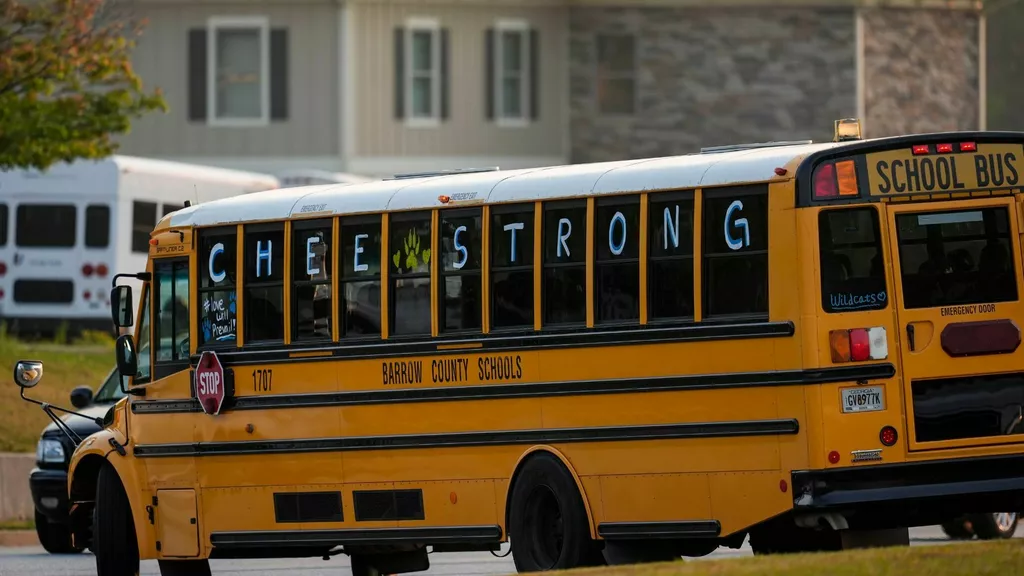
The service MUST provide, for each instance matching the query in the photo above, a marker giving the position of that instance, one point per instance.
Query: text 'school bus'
(816, 345)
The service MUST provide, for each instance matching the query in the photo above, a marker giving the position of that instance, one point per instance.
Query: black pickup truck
(49, 479)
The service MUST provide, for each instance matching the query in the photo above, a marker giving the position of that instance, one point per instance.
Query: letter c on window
(740, 223)
(218, 248)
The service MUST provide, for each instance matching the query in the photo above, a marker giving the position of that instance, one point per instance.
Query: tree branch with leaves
(67, 86)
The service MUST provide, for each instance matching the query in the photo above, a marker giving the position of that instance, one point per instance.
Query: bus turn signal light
(858, 345)
(846, 174)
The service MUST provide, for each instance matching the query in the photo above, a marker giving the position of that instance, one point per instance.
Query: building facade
(378, 87)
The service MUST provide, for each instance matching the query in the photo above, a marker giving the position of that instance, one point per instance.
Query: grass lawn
(86, 361)
(18, 525)
(964, 559)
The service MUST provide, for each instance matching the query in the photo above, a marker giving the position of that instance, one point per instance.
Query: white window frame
(432, 26)
(633, 74)
(215, 24)
(521, 27)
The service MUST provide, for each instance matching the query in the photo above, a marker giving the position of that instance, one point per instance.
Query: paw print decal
(413, 253)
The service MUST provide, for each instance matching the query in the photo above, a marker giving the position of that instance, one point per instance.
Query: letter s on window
(460, 248)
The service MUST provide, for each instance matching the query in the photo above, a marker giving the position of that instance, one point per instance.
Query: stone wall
(714, 76)
(921, 71)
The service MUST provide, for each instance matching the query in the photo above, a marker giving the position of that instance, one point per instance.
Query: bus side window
(564, 287)
(143, 344)
(409, 265)
(311, 280)
(670, 256)
(617, 260)
(735, 247)
(511, 274)
(460, 291)
(852, 269)
(359, 284)
(264, 283)
(217, 285)
(172, 311)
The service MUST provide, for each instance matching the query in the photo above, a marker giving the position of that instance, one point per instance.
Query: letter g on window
(741, 223)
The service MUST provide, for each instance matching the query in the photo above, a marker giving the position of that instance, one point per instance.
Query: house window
(616, 73)
(239, 70)
(511, 62)
(424, 57)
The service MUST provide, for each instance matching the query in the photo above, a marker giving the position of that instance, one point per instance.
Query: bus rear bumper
(911, 494)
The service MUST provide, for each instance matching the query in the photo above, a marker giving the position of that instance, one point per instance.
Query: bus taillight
(835, 179)
(101, 270)
(87, 270)
(858, 345)
(3, 268)
(968, 147)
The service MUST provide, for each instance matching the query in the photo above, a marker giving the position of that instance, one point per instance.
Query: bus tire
(549, 529)
(184, 567)
(958, 529)
(994, 526)
(113, 542)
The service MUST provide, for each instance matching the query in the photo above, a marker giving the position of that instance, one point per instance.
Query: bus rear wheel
(114, 541)
(994, 526)
(549, 529)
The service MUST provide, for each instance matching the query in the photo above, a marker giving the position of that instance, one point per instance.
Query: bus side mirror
(28, 373)
(121, 306)
(127, 358)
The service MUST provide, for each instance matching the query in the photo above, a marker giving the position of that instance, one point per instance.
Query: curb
(18, 538)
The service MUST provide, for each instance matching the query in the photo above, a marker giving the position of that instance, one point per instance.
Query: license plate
(863, 399)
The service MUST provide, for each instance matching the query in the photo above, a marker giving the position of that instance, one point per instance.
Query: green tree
(66, 82)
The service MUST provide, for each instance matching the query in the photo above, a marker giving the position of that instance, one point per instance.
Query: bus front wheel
(549, 529)
(114, 541)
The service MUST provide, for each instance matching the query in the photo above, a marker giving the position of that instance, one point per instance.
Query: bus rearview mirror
(121, 306)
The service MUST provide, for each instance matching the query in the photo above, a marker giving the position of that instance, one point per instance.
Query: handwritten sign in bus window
(218, 318)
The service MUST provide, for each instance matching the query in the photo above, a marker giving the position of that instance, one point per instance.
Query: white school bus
(813, 345)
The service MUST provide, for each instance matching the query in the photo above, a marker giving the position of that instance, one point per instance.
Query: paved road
(35, 561)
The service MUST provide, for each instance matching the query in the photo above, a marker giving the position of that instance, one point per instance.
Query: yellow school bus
(816, 345)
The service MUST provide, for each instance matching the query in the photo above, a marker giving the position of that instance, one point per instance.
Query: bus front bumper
(913, 493)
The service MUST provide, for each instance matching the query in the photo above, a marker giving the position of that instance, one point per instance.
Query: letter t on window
(512, 228)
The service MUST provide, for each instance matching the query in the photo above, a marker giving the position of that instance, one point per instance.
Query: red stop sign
(210, 383)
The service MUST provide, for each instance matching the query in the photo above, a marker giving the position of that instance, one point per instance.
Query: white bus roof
(491, 187)
(108, 168)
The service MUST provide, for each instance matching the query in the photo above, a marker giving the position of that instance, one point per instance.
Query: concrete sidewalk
(18, 538)
(15, 495)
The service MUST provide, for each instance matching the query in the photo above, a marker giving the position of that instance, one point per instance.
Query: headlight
(50, 451)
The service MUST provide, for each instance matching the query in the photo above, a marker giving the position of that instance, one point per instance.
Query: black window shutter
(489, 73)
(197, 74)
(399, 73)
(279, 74)
(445, 81)
(534, 74)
